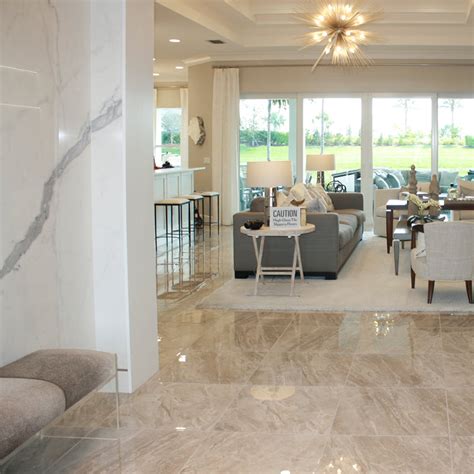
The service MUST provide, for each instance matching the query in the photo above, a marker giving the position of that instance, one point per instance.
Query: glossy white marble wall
(67, 189)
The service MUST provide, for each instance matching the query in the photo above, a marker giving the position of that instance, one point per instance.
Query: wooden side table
(274, 232)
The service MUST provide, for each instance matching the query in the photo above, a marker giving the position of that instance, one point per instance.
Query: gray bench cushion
(26, 406)
(76, 372)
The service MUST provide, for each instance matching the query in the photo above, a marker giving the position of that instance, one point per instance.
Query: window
(401, 137)
(266, 133)
(168, 136)
(456, 140)
(332, 126)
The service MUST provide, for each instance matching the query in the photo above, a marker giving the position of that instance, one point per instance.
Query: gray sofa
(323, 252)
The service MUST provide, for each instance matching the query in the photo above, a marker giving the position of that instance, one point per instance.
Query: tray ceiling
(266, 30)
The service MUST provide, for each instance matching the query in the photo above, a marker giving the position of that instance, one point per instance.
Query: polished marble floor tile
(303, 368)
(461, 411)
(463, 454)
(397, 370)
(386, 454)
(324, 319)
(144, 451)
(384, 411)
(281, 409)
(459, 369)
(177, 405)
(212, 367)
(457, 320)
(458, 339)
(262, 453)
(304, 338)
(241, 337)
(414, 319)
(399, 339)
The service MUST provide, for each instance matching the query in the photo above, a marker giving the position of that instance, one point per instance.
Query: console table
(402, 205)
(275, 232)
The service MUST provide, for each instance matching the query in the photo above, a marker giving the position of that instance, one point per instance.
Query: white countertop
(177, 170)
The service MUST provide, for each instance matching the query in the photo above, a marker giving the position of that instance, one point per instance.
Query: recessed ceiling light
(179, 68)
(174, 40)
(156, 74)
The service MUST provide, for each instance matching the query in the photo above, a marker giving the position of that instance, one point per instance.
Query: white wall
(388, 79)
(76, 227)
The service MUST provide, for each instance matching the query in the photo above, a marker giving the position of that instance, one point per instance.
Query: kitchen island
(170, 183)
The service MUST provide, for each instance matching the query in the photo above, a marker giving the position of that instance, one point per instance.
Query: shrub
(469, 141)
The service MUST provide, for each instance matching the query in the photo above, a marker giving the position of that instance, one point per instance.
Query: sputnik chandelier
(337, 26)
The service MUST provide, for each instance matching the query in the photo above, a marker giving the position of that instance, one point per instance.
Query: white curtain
(184, 128)
(225, 140)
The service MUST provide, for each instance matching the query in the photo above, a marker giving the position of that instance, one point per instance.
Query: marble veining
(111, 110)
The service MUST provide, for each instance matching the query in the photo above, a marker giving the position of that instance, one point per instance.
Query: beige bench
(38, 388)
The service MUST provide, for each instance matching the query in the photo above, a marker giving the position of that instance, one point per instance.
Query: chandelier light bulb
(337, 24)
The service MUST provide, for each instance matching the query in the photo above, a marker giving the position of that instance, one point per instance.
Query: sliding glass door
(333, 126)
(401, 137)
(456, 140)
(267, 132)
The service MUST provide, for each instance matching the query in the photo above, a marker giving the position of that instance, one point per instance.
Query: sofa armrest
(382, 196)
(347, 200)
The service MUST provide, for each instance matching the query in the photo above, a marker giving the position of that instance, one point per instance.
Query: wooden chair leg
(431, 285)
(413, 278)
(469, 291)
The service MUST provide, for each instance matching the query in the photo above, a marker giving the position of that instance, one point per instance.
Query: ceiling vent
(216, 41)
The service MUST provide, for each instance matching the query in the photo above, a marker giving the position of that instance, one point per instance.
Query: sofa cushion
(26, 406)
(346, 232)
(348, 219)
(76, 372)
(360, 216)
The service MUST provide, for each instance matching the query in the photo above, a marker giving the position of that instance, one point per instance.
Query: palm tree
(452, 105)
(406, 104)
(281, 103)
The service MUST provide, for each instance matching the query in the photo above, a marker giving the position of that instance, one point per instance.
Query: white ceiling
(266, 30)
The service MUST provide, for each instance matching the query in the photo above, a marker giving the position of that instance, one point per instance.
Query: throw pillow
(317, 188)
(316, 205)
(465, 188)
(280, 198)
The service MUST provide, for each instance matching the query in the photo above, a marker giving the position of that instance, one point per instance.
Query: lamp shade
(320, 162)
(269, 174)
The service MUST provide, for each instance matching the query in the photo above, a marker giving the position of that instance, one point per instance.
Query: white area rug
(366, 283)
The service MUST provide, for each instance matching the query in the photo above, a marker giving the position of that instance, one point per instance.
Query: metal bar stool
(196, 199)
(210, 195)
(172, 203)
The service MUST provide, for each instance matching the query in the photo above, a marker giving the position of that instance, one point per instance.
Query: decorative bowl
(253, 225)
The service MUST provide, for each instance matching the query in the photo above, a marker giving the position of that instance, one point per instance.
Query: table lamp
(320, 163)
(269, 175)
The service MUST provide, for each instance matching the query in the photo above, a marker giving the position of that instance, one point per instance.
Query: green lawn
(396, 157)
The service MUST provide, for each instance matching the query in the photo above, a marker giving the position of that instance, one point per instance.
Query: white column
(367, 187)
(122, 182)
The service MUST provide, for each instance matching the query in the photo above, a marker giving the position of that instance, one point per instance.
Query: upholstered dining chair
(448, 255)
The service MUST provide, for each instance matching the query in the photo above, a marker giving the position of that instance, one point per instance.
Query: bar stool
(172, 203)
(210, 195)
(196, 199)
